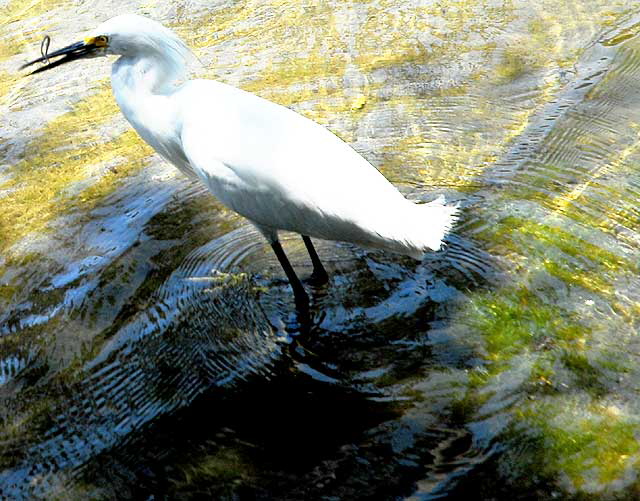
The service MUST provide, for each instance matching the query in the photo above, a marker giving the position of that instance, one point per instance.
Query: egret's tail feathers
(425, 226)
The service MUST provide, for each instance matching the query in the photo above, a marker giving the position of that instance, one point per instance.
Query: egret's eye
(101, 41)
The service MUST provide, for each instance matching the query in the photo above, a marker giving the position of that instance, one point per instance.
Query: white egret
(275, 167)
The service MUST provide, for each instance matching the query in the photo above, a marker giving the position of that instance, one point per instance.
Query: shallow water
(149, 345)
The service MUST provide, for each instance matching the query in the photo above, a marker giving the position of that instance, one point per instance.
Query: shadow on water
(200, 331)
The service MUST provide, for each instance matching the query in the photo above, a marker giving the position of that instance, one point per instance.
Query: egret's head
(127, 35)
(131, 35)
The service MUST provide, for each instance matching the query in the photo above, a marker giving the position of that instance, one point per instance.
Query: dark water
(150, 348)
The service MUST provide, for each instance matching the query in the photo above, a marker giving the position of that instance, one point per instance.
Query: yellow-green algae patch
(570, 244)
(514, 320)
(14, 42)
(316, 71)
(312, 61)
(60, 155)
(305, 63)
(445, 153)
(623, 36)
(579, 262)
(17, 11)
(596, 445)
(215, 466)
(579, 436)
(7, 82)
(438, 30)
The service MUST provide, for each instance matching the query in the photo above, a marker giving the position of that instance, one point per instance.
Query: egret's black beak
(70, 53)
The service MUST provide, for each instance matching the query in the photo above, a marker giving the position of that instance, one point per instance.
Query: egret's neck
(143, 88)
(144, 74)
(140, 86)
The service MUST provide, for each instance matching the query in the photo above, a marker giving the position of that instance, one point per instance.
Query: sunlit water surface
(149, 345)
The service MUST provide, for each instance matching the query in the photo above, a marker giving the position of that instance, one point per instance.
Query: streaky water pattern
(149, 345)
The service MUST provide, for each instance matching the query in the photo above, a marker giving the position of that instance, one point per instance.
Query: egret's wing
(284, 171)
(260, 158)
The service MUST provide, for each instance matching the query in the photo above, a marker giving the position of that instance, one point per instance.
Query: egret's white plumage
(266, 162)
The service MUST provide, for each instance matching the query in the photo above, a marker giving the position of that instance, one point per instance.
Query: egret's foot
(319, 275)
(318, 278)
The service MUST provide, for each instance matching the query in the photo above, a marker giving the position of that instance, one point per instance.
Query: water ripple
(202, 329)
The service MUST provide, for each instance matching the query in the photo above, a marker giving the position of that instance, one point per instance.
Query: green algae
(578, 261)
(514, 320)
(457, 160)
(587, 279)
(7, 82)
(622, 36)
(572, 441)
(595, 447)
(587, 376)
(537, 48)
(309, 76)
(220, 468)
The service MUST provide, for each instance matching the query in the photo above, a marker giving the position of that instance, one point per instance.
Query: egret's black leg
(319, 275)
(300, 295)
